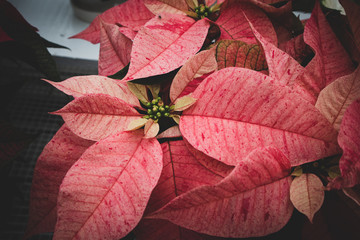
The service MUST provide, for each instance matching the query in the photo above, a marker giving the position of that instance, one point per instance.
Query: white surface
(56, 22)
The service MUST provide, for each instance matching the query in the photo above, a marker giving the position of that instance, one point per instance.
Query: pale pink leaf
(129, 33)
(168, 6)
(352, 10)
(307, 194)
(171, 132)
(349, 139)
(115, 49)
(234, 25)
(93, 84)
(151, 129)
(331, 61)
(96, 116)
(210, 163)
(175, 39)
(287, 71)
(239, 110)
(353, 194)
(58, 156)
(104, 195)
(132, 14)
(335, 98)
(197, 66)
(252, 201)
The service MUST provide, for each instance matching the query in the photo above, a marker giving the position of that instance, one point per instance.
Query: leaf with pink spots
(252, 201)
(174, 40)
(64, 149)
(104, 195)
(239, 110)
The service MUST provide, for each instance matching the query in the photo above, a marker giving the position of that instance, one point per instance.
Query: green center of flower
(157, 109)
(202, 11)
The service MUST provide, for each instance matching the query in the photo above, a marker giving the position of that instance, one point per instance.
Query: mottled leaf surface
(197, 66)
(104, 195)
(335, 98)
(230, 53)
(328, 50)
(252, 201)
(307, 194)
(96, 116)
(115, 49)
(174, 40)
(239, 110)
(234, 25)
(93, 84)
(64, 149)
(132, 14)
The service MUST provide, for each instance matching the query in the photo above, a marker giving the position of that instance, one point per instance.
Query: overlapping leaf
(94, 84)
(349, 138)
(336, 97)
(352, 10)
(287, 71)
(234, 25)
(104, 195)
(296, 48)
(239, 110)
(230, 53)
(197, 66)
(96, 116)
(252, 201)
(115, 49)
(307, 194)
(58, 156)
(328, 50)
(132, 14)
(174, 40)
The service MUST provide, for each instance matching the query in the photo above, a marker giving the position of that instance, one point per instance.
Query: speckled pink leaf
(171, 132)
(174, 40)
(234, 25)
(287, 71)
(331, 61)
(115, 49)
(168, 6)
(132, 14)
(94, 84)
(252, 201)
(104, 195)
(197, 66)
(239, 110)
(232, 53)
(127, 32)
(307, 194)
(56, 159)
(336, 97)
(349, 141)
(210, 163)
(296, 48)
(181, 172)
(96, 116)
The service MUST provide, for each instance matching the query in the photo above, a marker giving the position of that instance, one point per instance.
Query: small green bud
(155, 108)
(149, 111)
(166, 107)
(154, 117)
(154, 101)
(147, 104)
(151, 116)
(146, 116)
(166, 114)
(158, 114)
(161, 109)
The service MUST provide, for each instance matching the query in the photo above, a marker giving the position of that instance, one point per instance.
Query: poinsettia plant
(208, 120)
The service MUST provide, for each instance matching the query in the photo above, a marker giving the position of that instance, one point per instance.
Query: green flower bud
(154, 101)
(155, 108)
(149, 111)
(158, 114)
(161, 109)
(166, 114)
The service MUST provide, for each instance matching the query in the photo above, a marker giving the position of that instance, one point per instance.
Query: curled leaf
(151, 129)
(136, 124)
(139, 90)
